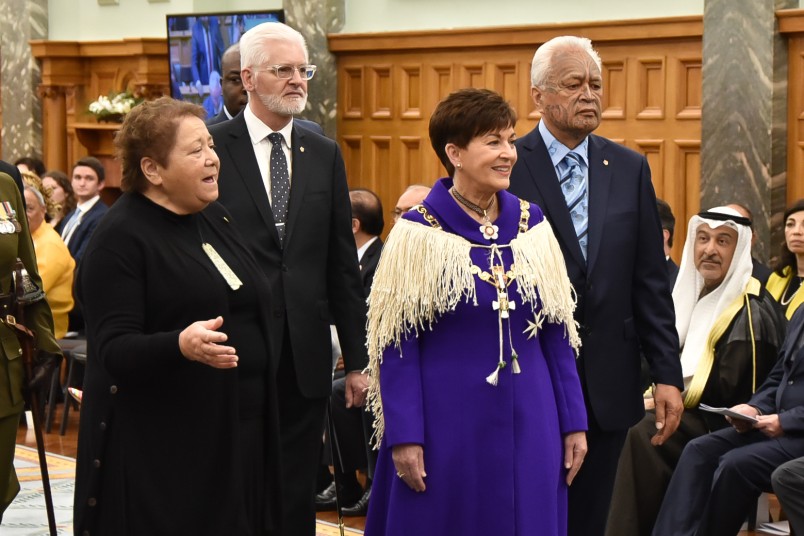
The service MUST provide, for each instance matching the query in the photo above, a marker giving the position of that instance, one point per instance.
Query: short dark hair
(33, 164)
(464, 115)
(367, 208)
(787, 257)
(667, 218)
(95, 164)
(150, 130)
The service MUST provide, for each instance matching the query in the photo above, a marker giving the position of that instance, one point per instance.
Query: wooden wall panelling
(652, 95)
(791, 24)
(75, 74)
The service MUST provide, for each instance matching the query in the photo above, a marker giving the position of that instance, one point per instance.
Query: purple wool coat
(493, 454)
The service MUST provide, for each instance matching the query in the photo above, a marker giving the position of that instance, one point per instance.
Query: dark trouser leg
(788, 484)
(300, 421)
(644, 472)
(349, 433)
(742, 474)
(687, 495)
(9, 485)
(590, 493)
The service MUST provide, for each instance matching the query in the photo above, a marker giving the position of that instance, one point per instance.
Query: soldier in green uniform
(15, 242)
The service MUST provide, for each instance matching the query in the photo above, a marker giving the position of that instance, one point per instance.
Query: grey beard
(277, 105)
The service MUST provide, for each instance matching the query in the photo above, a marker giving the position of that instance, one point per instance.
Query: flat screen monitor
(196, 42)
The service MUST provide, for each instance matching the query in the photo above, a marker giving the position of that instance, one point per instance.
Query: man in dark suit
(611, 240)
(206, 50)
(76, 228)
(286, 189)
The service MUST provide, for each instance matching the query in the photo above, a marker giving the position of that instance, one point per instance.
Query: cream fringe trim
(424, 272)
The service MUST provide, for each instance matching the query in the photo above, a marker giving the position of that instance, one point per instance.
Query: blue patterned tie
(573, 186)
(280, 184)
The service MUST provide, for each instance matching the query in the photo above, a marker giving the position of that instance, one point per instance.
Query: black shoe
(325, 501)
(360, 508)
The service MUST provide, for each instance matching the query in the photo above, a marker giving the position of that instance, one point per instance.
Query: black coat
(158, 450)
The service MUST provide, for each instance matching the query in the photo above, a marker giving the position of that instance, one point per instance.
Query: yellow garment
(56, 267)
(777, 284)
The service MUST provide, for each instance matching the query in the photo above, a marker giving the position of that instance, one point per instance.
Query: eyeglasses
(285, 72)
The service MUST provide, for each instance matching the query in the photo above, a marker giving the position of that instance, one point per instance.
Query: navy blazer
(783, 389)
(315, 276)
(624, 301)
(82, 233)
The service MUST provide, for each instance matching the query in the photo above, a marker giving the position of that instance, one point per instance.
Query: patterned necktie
(573, 186)
(280, 184)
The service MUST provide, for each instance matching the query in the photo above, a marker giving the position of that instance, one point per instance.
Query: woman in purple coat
(478, 406)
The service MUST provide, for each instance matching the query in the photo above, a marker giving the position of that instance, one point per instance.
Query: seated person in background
(53, 259)
(61, 193)
(235, 97)
(788, 485)
(720, 475)
(760, 272)
(730, 331)
(77, 227)
(213, 103)
(784, 283)
(32, 164)
(412, 196)
(668, 230)
(353, 425)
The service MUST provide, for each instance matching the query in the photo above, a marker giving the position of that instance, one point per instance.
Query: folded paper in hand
(727, 412)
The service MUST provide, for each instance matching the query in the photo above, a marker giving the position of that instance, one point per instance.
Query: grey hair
(543, 58)
(214, 79)
(254, 47)
(38, 195)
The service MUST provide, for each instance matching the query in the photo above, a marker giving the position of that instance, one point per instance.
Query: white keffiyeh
(695, 317)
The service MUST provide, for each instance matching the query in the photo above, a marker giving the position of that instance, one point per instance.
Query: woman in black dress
(178, 421)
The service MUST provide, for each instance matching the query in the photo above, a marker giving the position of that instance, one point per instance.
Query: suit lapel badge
(301, 149)
(605, 162)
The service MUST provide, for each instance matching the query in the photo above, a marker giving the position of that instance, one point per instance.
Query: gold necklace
(487, 229)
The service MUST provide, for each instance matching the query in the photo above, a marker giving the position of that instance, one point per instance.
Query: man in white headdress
(730, 330)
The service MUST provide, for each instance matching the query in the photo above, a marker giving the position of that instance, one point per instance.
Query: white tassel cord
(422, 274)
(541, 274)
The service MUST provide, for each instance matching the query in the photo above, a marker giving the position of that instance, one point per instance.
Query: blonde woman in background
(53, 259)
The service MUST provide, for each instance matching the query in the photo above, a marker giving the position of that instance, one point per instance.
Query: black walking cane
(26, 339)
(335, 449)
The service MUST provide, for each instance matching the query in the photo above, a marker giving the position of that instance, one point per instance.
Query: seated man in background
(213, 103)
(412, 196)
(730, 330)
(720, 475)
(53, 259)
(77, 227)
(353, 425)
(668, 231)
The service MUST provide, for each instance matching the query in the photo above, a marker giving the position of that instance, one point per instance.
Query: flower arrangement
(114, 107)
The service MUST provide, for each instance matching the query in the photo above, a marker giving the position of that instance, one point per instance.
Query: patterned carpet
(27, 517)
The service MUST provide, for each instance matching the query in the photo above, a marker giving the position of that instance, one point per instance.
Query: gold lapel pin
(605, 162)
(301, 149)
(226, 219)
